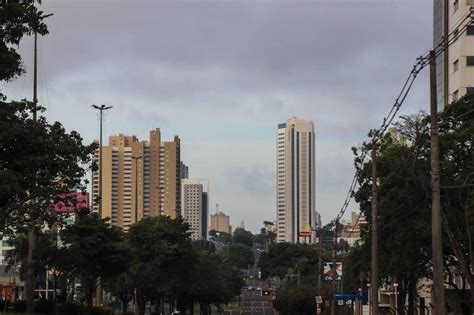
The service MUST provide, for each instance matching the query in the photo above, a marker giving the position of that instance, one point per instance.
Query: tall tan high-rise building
(139, 178)
(220, 222)
(295, 181)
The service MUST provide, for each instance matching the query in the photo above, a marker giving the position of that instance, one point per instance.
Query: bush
(70, 309)
(44, 306)
(101, 311)
(20, 306)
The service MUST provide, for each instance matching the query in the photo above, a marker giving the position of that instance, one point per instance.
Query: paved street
(253, 303)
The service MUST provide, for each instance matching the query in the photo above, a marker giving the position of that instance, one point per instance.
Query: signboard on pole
(319, 299)
(331, 273)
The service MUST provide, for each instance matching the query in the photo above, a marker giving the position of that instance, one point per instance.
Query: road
(253, 303)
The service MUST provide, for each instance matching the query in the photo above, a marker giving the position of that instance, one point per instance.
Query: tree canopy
(17, 19)
(404, 199)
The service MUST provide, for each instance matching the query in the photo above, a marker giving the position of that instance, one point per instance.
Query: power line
(420, 64)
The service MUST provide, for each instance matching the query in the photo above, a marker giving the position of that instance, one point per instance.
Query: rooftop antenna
(217, 208)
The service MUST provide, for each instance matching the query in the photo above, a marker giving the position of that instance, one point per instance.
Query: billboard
(306, 231)
(71, 202)
(330, 272)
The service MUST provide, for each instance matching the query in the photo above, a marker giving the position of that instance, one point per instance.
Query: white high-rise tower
(295, 190)
(455, 66)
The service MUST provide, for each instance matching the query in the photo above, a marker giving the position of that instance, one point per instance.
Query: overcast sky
(223, 74)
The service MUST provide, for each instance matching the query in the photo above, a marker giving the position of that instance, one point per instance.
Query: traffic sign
(319, 299)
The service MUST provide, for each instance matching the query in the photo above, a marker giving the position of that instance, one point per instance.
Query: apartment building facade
(139, 179)
(295, 181)
(455, 66)
(194, 203)
(220, 222)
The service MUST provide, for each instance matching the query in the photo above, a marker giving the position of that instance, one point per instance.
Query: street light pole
(101, 109)
(30, 278)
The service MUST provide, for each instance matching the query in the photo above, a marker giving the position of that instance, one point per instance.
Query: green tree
(222, 237)
(162, 260)
(239, 256)
(266, 235)
(94, 250)
(457, 191)
(214, 281)
(17, 19)
(296, 300)
(243, 236)
(404, 200)
(282, 256)
(403, 207)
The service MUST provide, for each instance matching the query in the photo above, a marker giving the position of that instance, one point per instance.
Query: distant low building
(194, 201)
(351, 232)
(220, 222)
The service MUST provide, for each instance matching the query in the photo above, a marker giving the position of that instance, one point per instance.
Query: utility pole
(101, 109)
(437, 293)
(334, 274)
(374, 286)
(320, 265)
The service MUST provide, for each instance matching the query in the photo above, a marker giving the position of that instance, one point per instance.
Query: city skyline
(248, 77)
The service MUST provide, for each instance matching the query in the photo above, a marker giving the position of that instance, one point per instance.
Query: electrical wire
(421, 63)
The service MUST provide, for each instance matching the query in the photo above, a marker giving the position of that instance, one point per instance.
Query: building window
(470, 29)
(456, 65)
(470, 61)
(470, 90)
(456, 5)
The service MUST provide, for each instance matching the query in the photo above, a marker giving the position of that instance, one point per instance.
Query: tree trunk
(402, 295)
(90, 293)
(141, 304)
(411, 295)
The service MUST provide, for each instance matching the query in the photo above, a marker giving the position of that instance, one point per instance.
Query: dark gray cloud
(222, 74)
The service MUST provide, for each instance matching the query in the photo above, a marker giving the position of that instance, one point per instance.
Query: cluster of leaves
(17, 19)
(38, 161)
(295, 299)
(297, 266)
(154, 262)
(238, 247)
(404, 200)
(282, 256)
